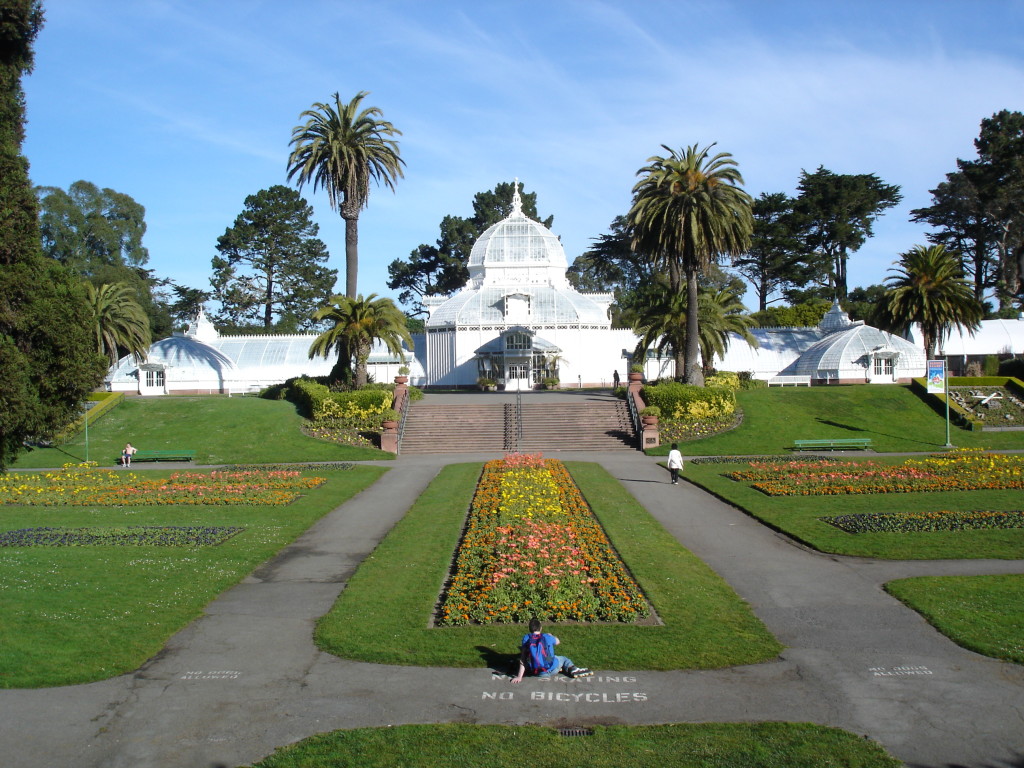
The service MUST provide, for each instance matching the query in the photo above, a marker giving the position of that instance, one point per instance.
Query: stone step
(445, 428)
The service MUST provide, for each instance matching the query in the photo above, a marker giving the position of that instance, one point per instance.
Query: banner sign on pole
(936, 377)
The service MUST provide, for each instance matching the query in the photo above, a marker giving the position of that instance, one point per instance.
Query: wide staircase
(470, 427)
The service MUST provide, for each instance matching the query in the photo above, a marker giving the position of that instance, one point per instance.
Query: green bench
(162, 456)
(833, 444)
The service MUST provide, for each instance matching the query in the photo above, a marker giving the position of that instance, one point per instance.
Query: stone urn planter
(636, 377)
(389, 425)
(649, 421)
(401, 379)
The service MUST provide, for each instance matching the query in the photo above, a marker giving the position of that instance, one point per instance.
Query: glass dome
(517, 276)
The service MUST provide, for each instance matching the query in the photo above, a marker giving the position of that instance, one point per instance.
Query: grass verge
(894, 418)
(80, 614)
(980, 613)
(798, 516)
(221, 430)
(392, 596)
(717, 745)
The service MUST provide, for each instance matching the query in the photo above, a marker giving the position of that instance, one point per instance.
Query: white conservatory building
(202, 362)
(519, 320)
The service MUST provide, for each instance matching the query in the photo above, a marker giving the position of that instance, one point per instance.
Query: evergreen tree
(47, 361)
(270, 270)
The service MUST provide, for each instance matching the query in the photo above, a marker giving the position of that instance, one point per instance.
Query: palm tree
(660, 321)
(929, 288)
(118, 322)
(340, 149)
(664, 316)
(356, 323)
(722, 313)
(688, 212)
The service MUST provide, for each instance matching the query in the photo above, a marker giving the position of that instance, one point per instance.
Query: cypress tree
(48, 361)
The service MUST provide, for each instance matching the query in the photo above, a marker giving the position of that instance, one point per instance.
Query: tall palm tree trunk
(351, 252)
(694, 374)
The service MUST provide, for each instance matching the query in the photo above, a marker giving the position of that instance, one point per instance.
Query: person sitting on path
(537, 656)
(127, 453)
(675, 463)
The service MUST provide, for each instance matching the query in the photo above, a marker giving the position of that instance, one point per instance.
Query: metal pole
(87, 432)
(945, 379)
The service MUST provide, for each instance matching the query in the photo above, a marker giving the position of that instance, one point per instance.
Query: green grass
(392, 596)
(982, 613)
(719, 745)
(79, 614)
(798, 516)
(893, 417)
(221, 430)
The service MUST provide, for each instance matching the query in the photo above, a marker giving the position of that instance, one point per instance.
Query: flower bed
(85, 485)
(124, 536)
(533, 548)
(914, 522)
(964, 470)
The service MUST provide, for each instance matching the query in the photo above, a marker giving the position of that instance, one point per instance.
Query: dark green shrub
(1013, 367)
(991, 365)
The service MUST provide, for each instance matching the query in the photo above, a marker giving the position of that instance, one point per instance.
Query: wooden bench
(162, 456)
(833, 444)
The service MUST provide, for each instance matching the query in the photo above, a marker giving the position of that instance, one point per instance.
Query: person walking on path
(537, 655)
(615, 378)
(675, 463)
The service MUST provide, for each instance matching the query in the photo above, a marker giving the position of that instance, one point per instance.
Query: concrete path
(246, 677)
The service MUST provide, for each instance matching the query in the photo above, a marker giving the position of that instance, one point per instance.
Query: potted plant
(649, 415)
(550, 382)
(487, 384)
(403, 375)
(636, 372)
(389, 419)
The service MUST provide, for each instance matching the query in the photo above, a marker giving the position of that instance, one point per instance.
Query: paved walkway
(246, 677)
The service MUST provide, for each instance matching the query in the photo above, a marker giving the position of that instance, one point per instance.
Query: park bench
(162, 456)
(833, 444)
(784, 381)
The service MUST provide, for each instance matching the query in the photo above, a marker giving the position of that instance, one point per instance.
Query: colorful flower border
(532, 547)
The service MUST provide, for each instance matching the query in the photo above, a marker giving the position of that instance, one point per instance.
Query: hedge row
(685, 402)
(107, 402)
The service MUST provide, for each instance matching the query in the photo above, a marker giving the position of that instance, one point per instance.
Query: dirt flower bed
(532, 547)
(915, 522)
(122, 536)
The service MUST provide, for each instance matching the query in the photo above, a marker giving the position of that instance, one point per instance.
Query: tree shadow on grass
(852, 428)
(840, 425)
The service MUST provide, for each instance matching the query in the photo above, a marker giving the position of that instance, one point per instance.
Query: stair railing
(403, 412)
(519, 419)
(634, 415)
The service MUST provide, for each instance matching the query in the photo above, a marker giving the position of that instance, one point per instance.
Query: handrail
(403, 410)
(519, 419)
(634, 415)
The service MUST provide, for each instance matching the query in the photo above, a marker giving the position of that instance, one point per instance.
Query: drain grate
(575, 732)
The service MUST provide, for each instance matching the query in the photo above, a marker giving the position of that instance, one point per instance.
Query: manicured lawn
(221, 430)
(798, 516)
(982, 613)
(894, 418)
(85, 613)
(393, 594)
(725, 745)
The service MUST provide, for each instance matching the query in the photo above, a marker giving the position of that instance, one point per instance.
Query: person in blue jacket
(537, 655)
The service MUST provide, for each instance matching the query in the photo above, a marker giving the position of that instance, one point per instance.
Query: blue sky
(188, 106)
